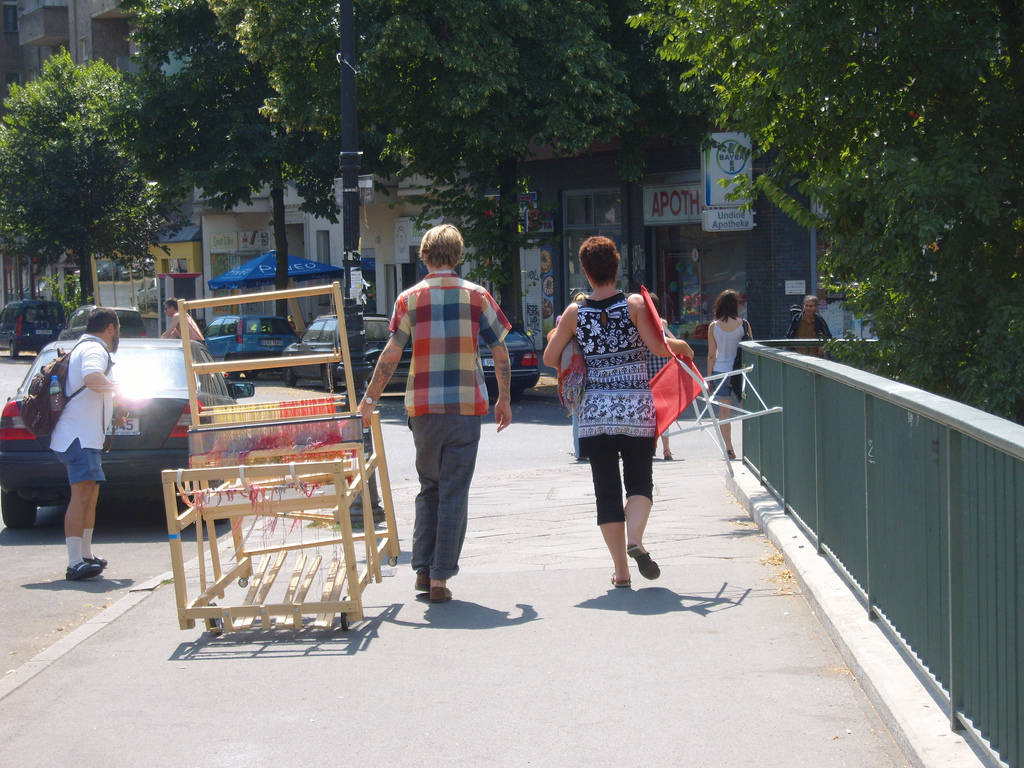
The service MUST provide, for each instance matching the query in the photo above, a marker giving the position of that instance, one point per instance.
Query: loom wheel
(392, 561)
(215, 626)
(243, 582)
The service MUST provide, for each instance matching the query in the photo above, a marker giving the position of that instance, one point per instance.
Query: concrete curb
(21, 675)
(917, 722)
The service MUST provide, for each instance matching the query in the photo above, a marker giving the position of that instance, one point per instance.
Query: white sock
(74, 550)
(86, 543)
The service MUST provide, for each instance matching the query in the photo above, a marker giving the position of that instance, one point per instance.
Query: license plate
(43, 332)
(131, 427)
(488, 362)
(270, 343)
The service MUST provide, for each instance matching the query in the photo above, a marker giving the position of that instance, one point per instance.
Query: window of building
(10, 17)
(693, 267)
(323, 246)
(588, 213)
(83, 50)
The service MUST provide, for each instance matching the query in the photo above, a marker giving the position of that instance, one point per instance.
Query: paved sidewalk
(537, 661)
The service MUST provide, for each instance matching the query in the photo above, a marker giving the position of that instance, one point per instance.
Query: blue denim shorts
(82, 463)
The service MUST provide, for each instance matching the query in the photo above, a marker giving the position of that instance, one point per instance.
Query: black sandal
(648, 568)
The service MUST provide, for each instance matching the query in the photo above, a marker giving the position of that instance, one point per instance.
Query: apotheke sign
(671, 204)
(726, 219)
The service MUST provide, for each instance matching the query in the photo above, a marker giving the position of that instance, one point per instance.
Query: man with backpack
(78, 436)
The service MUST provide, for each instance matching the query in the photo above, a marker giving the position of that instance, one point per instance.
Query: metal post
(350, 154)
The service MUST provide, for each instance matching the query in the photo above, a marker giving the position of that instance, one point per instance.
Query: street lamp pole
(350, 154)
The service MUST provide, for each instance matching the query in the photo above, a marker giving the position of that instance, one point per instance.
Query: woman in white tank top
(724, 335)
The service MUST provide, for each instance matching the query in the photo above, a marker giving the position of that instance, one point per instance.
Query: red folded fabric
(672, 387)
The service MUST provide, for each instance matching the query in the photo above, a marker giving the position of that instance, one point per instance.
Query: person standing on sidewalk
(445, 318)
(77, 438)
(617, 416)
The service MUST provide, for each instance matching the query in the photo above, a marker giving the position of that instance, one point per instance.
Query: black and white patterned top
(617, 399)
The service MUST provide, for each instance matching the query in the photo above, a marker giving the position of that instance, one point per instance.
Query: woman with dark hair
(724, 336)
(616, 416)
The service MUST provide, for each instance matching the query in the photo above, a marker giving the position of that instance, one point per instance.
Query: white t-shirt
(87, 414)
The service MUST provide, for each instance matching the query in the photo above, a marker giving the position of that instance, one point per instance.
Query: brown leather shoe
(423, 581)
(440, 594)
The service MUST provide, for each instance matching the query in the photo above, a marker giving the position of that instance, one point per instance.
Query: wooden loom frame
(347, 478)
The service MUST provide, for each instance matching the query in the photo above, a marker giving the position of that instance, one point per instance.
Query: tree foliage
(67, 181)
(906, 122)
(458, 93)
(199, 122)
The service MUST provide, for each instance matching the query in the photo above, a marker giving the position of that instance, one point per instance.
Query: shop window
(588, 213)
(10, 17)
(693, 267)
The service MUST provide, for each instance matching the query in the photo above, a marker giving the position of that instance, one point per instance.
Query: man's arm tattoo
(503, 373)
(382, 374)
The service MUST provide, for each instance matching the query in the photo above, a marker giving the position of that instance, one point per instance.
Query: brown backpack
(39, 410)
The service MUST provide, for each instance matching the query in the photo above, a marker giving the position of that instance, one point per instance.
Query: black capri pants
(604, 452)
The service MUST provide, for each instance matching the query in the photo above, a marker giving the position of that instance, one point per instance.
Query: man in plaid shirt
(446, 318)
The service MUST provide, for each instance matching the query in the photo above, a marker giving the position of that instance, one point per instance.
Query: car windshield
(140, 372)
(268, 325)
(377, 330)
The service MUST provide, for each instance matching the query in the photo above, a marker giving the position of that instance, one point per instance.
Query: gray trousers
(446, 447)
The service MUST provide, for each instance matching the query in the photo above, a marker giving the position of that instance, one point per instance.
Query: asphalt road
(40, 605)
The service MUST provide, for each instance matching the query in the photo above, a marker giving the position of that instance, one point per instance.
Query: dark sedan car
(129, 318)
(150, 374)
(321, 337)
(523, 358)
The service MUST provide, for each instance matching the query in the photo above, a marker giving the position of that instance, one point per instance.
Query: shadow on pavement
(285, 643)
(92, 586)
(652, 601)
(459, 614)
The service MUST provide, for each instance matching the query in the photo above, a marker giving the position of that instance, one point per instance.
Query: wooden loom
(297, 466)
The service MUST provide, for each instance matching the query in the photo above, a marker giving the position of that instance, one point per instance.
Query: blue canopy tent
(262, 270)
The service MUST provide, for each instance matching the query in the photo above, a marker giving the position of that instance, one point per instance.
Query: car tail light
(180, 428)
(11, 425)
(238, 333)
(530, 359)
(17, 331)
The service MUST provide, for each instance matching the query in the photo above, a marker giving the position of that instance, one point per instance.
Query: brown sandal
(620, 584)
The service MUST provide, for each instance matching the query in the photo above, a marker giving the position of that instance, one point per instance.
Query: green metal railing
(918, 501)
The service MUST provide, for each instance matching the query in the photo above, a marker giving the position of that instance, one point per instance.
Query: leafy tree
(904, 121)
(67, 182)
(67, 292)
(198, 121)
(460, 92)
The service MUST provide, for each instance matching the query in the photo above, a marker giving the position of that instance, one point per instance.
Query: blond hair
(441, 246)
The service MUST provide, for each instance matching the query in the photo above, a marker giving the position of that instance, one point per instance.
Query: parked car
(377, 335)
(30, 324)
(130, 318)
(234, 337)
(151, 375)
(321, 337)
(524, 362)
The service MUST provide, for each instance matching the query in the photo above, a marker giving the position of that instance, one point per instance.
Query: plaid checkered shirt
(446, 318)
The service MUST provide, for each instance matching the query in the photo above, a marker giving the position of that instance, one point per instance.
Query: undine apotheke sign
(726, 158)
(671, 204)
(726, 219)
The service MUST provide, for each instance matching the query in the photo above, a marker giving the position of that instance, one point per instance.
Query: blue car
(234, 337)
